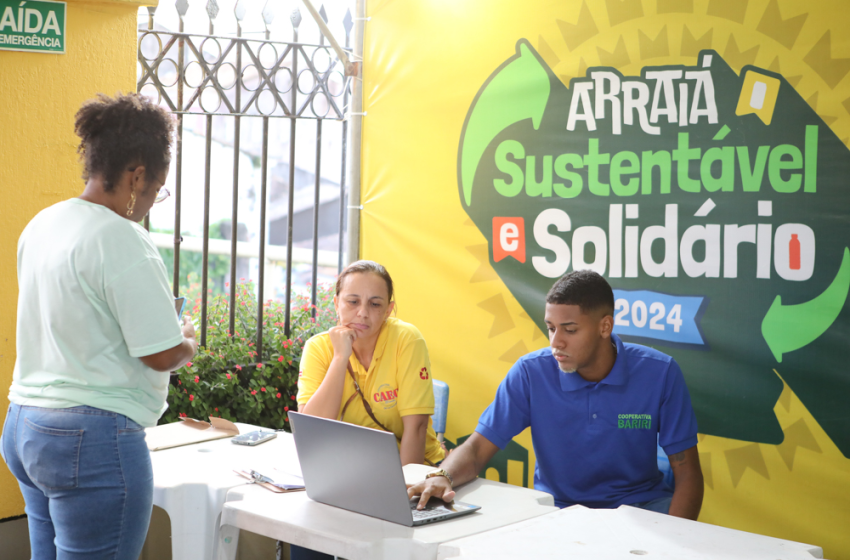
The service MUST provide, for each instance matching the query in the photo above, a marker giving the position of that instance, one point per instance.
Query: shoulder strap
(368, 408)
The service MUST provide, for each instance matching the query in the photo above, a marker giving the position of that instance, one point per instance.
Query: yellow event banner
(694, 152)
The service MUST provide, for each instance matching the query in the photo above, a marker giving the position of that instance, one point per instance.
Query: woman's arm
(176, 357)
(413, 440)
(327, 399)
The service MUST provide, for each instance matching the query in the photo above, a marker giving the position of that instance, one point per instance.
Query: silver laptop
(359, 469)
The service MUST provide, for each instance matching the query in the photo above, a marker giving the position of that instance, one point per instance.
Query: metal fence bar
(313, 288)
(205, 273)
(234, 219)
(296, 20)
(347, 23)
(178, 179)
(264, 181)
(151, 10)
(318, 175)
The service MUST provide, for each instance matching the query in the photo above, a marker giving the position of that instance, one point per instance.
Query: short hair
(122, 131)
(358, 267)
(585, 288)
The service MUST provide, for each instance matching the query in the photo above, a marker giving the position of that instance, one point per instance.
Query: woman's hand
(342, 338)
(188, 329)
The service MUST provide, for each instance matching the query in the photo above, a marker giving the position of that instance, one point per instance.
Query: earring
(131, 204)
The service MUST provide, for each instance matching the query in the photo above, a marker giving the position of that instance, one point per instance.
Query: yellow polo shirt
(397, 384)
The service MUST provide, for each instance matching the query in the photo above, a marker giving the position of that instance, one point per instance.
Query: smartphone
(253, 438)
(179, 306)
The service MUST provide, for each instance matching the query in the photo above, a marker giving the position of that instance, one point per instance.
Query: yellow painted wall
(39, 95)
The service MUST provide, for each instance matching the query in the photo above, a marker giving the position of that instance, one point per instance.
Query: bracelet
(441, 472)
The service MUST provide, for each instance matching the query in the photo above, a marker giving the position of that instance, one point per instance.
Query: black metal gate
(217, 83)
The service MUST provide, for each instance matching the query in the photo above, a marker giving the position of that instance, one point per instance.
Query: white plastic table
(191, 484)
(625, 533)
(296, 519)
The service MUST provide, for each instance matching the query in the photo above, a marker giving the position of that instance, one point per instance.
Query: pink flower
(280, 358)
(286, 409)
(188, 364)
(259, 366)
(191, 397)
(216, 409)
(263, 389)
(292, 397)
(228, 376)
(197, 379)
(253, 392)
(239, 367)
(182, 415)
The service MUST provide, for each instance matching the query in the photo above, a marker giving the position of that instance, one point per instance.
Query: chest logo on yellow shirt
(385, 396)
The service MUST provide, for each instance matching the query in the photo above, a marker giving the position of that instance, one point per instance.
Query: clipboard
(188, 431)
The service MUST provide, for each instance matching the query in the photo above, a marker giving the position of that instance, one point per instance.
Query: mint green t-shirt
(93, 297)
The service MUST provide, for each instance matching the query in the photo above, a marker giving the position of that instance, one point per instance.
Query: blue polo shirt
(596, 442)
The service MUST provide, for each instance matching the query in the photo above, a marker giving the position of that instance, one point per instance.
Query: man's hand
(463, 464)
(436, 486)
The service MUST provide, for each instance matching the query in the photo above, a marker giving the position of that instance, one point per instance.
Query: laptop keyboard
(428, 512)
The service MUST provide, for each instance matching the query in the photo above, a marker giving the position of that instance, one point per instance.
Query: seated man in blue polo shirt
(596, 407)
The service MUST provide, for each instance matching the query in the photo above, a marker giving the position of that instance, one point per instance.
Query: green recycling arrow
(518, 90)
(786, 328)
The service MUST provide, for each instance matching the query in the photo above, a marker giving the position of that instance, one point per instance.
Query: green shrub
(227, 378)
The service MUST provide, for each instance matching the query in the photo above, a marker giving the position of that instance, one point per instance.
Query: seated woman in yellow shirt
(372, 369)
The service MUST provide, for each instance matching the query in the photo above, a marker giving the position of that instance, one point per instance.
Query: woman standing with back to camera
(97, 334)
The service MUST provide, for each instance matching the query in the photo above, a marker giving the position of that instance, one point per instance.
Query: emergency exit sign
(32, 26)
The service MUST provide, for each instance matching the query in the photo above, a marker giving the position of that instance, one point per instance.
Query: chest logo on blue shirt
(634, 421)
(385, 396)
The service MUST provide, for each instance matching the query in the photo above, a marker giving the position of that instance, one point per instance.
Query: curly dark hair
(585, 288)
(118, 132)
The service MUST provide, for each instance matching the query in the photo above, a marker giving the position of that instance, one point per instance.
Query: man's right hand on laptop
(434, 487)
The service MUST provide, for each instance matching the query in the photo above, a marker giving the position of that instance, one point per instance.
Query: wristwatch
(441, 472)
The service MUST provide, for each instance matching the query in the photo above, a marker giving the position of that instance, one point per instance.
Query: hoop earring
(131, 204)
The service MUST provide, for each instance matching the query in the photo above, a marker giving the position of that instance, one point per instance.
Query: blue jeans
(86, 478)
(658, 505)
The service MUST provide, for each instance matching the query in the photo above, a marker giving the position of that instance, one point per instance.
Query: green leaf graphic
(518, 90)
(786, 328)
